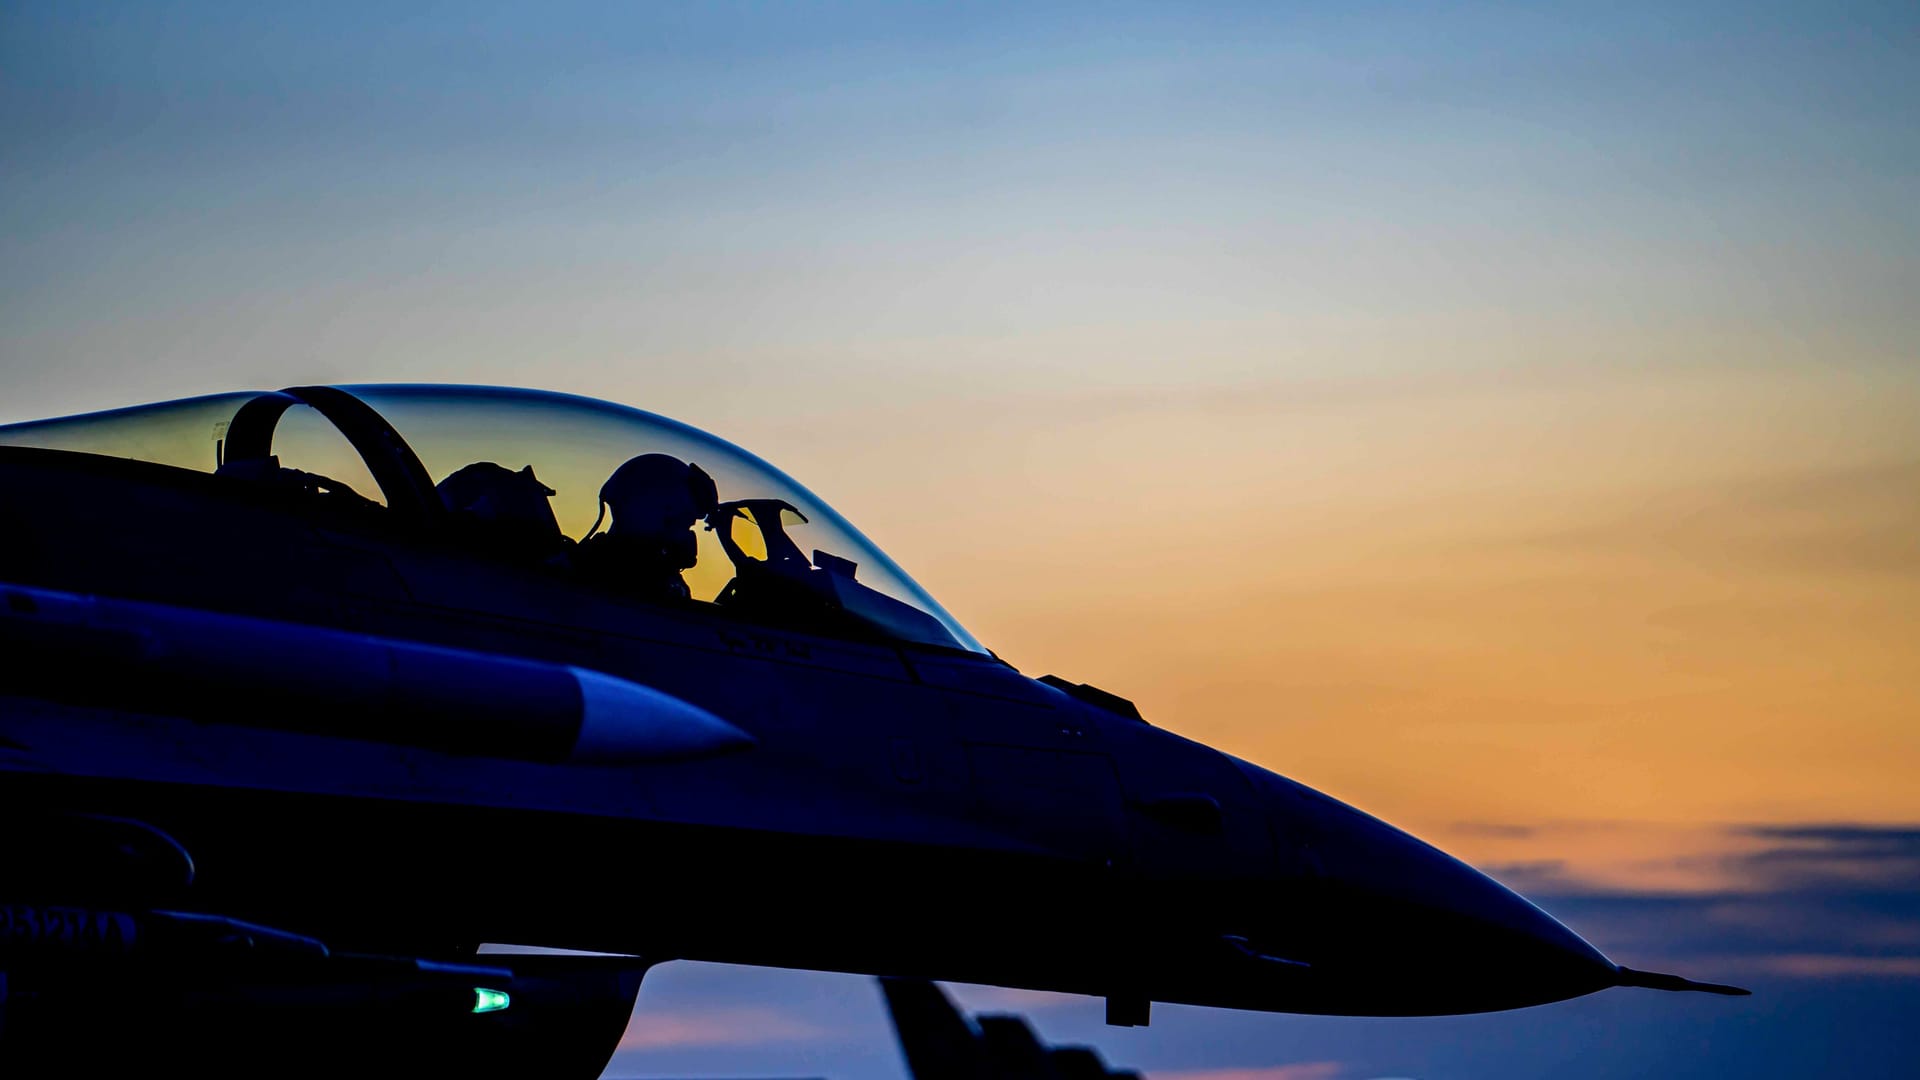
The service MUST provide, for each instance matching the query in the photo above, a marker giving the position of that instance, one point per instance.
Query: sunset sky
(1499, 416)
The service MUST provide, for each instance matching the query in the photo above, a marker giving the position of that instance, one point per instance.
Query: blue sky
(731, 183)
(1557, 361)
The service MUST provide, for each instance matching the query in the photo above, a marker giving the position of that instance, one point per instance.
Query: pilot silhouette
(655, 499)
(505, 509)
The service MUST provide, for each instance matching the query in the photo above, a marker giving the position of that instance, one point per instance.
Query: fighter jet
(305, 694)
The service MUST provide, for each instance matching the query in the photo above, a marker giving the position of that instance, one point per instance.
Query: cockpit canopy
(765, 544)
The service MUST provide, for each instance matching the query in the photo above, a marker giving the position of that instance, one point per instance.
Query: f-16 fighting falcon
(306, 694)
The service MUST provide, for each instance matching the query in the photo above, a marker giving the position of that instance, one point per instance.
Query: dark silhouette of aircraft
(288, 728)
(939, 1042)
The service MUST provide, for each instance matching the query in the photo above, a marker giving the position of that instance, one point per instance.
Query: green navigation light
(485, 1000)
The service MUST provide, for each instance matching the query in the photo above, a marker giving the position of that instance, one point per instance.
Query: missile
(265, 673)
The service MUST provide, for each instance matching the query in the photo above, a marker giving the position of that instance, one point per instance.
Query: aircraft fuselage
(904, 810)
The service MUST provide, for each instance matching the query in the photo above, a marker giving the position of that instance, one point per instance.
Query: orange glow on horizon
(1679, 599)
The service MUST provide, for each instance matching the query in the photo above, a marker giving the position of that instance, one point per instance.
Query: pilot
(655, 499)
(505, 509)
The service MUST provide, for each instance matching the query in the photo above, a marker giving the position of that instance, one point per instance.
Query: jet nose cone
(1426, 933)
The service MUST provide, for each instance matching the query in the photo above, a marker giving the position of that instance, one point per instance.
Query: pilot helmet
(657, 497)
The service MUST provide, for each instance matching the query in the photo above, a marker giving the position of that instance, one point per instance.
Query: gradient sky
(1499, 416)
